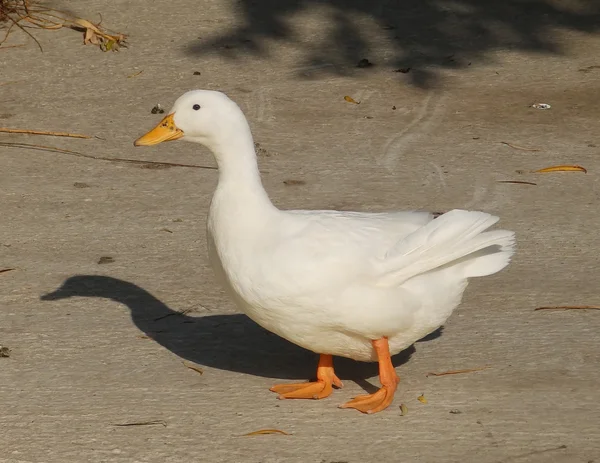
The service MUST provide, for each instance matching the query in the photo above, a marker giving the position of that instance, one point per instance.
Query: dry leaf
(191, 366)
(422, 399)
(267, 431)
(38, 16)
(94, 35)
(4, 351)
(568, 168)
(571, 307)
(457, 372)
(135, 74)
(90, 37)
(349, 99)
(403, 409)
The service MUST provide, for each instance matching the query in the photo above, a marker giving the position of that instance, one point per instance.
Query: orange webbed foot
(380, 400)
(372, 403)
(319, 389)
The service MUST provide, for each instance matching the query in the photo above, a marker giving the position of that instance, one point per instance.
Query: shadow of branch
(423, 35)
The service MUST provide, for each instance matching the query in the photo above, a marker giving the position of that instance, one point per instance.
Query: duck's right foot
(319, 389)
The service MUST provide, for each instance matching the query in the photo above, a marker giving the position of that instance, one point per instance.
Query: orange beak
(166, 130)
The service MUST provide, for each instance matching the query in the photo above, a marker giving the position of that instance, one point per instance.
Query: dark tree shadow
(424, 35)
(227, 342)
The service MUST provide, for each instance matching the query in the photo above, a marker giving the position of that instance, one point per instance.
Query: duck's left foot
(319, 389)
(373, 403)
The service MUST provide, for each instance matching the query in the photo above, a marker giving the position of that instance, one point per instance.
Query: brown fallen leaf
(4, 351)
(349, 99)
(267, 431)
(457, 372)
(522, 182)
(517, 147)
(191, 366)
(403, 409)
(4, 270)
(566, 168)
(43, 132)
(95, 36)
(422, 399)
(570, 307)
(142, 423)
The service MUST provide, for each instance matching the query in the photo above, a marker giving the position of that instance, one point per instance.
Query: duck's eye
(196, 107)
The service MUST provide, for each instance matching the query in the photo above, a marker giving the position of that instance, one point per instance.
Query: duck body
(319, 272)
(352, 284)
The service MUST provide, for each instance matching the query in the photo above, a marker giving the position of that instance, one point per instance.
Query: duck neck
(239, 178)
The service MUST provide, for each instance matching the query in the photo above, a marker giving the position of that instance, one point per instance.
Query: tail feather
(455, 238)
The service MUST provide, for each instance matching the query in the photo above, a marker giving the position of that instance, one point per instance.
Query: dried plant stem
(100, 158)
(571, 307)
(43, 132)
(457, 372)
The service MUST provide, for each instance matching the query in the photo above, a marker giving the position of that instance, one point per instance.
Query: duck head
(201, 116)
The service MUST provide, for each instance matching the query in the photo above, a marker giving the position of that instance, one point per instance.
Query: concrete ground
(109, 347)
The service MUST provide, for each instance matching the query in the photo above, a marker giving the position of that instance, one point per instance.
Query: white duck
(352, 284)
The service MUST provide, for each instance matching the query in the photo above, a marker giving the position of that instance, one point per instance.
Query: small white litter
(541, 106)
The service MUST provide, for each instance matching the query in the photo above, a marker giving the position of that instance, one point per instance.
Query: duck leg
(373, 403)
(321, 388)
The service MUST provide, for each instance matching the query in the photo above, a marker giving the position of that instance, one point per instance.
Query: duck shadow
(227, 342)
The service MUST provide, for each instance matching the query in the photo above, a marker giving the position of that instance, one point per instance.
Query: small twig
(517, 147)
(12, 46)
(4, 270)
(193, 367)
(457, 372)
(99, 158)
(8, 31)
(16, 23)
(570, 307)
(43, 132)
(267, 431)
(142, 423)
(171, 314)
(522, 182)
